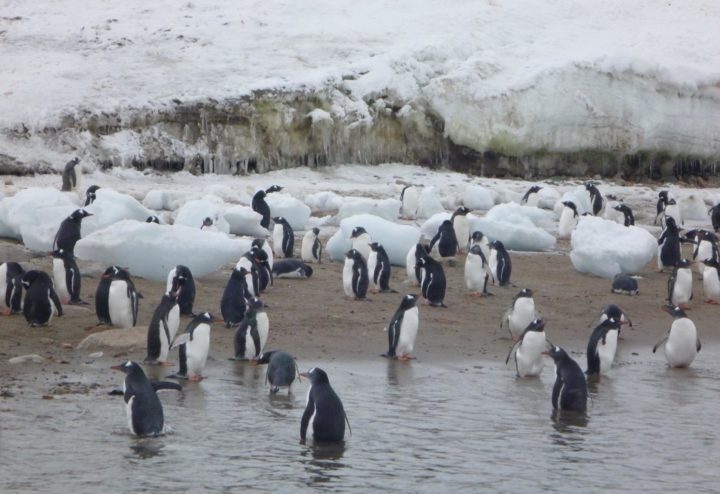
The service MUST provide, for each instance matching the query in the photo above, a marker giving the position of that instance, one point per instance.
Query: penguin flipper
(660, 343)
(179, 340)
(56, 302)
(347, 420)
(505, 318)
(512, 348)
(159, 385)
(698, 345)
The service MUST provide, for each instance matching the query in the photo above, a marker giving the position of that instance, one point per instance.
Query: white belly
(492, 262)
(173, 321)
(568, 222)
(529, 357)
(682, 291)
(277, 240)
(169, 283)
(705, 251)
(306, 248)
(347, 278)
(681, 346)
(408, 332)
(263, 325)
(474, 273)
(128, 412)
(606, 352)
(674, 211)
(711, 284)
(410, 267)
(120, 305)
(196, 351)
(269, 253)
(59, 280)
(410, 202)
(3, 285)
(371, 265)
(521, 316)
(462, 231)
(362, 245)
(533, 200)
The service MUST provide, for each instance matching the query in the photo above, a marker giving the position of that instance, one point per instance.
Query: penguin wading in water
(311, 248)
(520, 314)
(568, 219)
(681, 342)
(500, 264)
(11, 287)
(162, 328)
(252, 332)
(411, 263)
(711, 281)
(570, 390)
(123, 300)
(461, 226)
(361, 241)
(446, 240)
(531, 197)
(669, 253)
(281, 370)
(67, 278)
(602, 347)
(433, 284)
(70, 176)
(181, 276)
(355, 275)
(232, 304)
(40, 298)
(323, 409)
(379, 268)
(529, 350)
(69, 232)
(680, 289)
(477, 272)
(193, 347)
(283, 238)
(403, 329)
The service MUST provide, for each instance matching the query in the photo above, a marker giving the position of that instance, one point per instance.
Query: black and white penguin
(682, 343)
(411, 263)
(252, 277)
(409, 197)
(67, 278)
(679, 286)
(70, 177)
(446, 240)
(361, 241)
(613, 311)
(324, 409)
(661, 203)
(672, 210)
(181, 277)
(232, 304)
(711, 281)
(570, 390)
(123, 299)
(714, 213)
(531, 197)
(162, 328)
(627, 214)
(152, 219)
(461, 225)
(91, 194)
(403, 329)
(355, 275)
(596, 199)
(261, 207)
(102, 295)
(433, 283)
(602, 347)
(311, 248)
(378, 265)
(11, 287)
(283, 238)
(624, 284)
(252, 332)
(69, 232)
(568, 219)
(479, 238)
(194, 345)
(281, 370)
(41, 301)
(262, 267)
(265, 246)
(669, 252)
(142, 405)
(529, 350)
(208, 225)
(500, 264)
(520, 314)
(706, 247)
(477, 271)
(291, 268)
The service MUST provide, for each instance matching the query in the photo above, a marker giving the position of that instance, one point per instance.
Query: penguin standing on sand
(531, 197)
(568, 219)
(181, 276)
(324, 408)
(624, 284)
(680, 289)
(260, 243)
(162, 328)
(379, 268)
(91, 194)
(262, 268)
(629, 219)
(123, 300)
(69, 232)
(291, 268)
(479, 238)
(669, 252)
(311, 248)
(500, 264)
(477, 272)
(602, 347)
(66, 274)
(40, 298)
(711, 281)
(252, 278)
(596, 199)
(102, 295)
(520, 314)
(361, 241)
(194, 345)
(529, 350)
(355, 275)
(661, 203)
(232, 304)
(714, 213)
(281, 370)
(446, 240)
(411, 263)
(11, 287)
(570, 390)
(70, 177)
(409, 199)
(403, 329)
(461, 226)
(433, 283)
(681, 342)
(283, 238)
(252, 332)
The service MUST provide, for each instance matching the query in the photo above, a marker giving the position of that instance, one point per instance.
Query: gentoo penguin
(624, 284)
(66, 275)
(70, 177)
(142, 405)
(529, 350)
(311, 248)
(378, 265)
(531, 197)
(283, 238)
(433, 282)
(409, 199)
(123, 299)
(711, 281)
(411, 261)
(568, 219)
(403, 329)
(232, 304)
(500, 264)
(40, 298)
(11, 287)
(162, 328)
(181, 276)
(208, 225)
(281, 370)
(672, 210)
(478, 238)
(669, 245)
(261, 207)
(291, 268)
(194, 345)
(273, 188)
(612, 311)
(661, 203)
(477, 271)
(462, 227)
(252, 277)
(705, 247)
(680, 289)
(570, 390)
(602, 347)
(91, 194)
(446, 240)
(262, 267)
(355, 275)
(252, 332)
(681, 342)
(627, 213)
(520, 314)
(714, 213)
(596, 199)
(69, 232)
(102, 295)
(152, 219)
(324, 409)
(260, 243)
(361, 241)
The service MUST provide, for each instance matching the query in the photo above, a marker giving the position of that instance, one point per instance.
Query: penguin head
(29, 277)
(374, 246)
(557, 354)
(571, 205)
(61, 254)
(683, 264)
(258, 242)
(611, 323)
(128, 367)
(171, 296)
(590, 187)
(279, 220)
(316, 376)
(79, 214)
(421, 250)
(205, 317)
(663, 195)
(497, 245)
(477, 236)
(353, 254)
(525, 292)
(476, 250)
(260, 194)
(357, 231)
(408, 301)
(671, 202)
(110, 272)
(153, 219)
(239, 272)
(670, 223)
(675, 311)
(461, 211)
(258, 254)
(713, 263)
(620, 207)
(308, 270)
(255, 304)
(612, 311)
(207, 222)
(535, 189)
(316, 231)
(273, 188)
(536, 325)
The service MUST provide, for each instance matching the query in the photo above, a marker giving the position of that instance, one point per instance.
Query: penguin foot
(78, 302)
(176, 376)
(712, 302)
(6, 312)
(274, 390)
(196, 378)
(388, 355)
(405, 358)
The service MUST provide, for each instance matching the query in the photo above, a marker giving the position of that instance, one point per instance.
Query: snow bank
(521, 228)
(548, 197)
(324, 202)
(34, 206)
(478, 197)
(388, 209)
(428, 203)
(293, 210)
(161, 199)
(244, 221)
(579, 196)
(194, 212)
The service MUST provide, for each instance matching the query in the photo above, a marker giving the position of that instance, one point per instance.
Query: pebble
(34, 358)
(96, 355)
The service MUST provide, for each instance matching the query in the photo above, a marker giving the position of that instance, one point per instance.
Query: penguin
(529, 349)
(291, 268)
(194, 345)
(70, 177)
(446, 240)
(379, 268)
(714, 213)
(672, 210)
(355, 275)
(520, 314)
(260, 243)
(627, 214)
(262, 268)
(477, 271)
(568, 219)
(91, 194)
(531, 197)
(152, 219)
(570, 390)
(669, 245)
(40, 298)
(123, 300)
(283, 238)
(67, 278)
(661, 203)
(181, 276)
(500, 264)
(409, 197)
(705, 248)
(11, 287)
(403, 329)
(273, 188)
(433, 284)
(324, 409)
(162, 328)
(311, 248)
(611, 213)
(232, 305)
(681, 341)
(252, 332)
(361, 241)
(461, 226)
(281, 370)
(625, 284)
(602, 347)
(142, 406)
(478, 238)
(261, 207)
(413, 256)
(102, 295)
(69, 232)
(711, 281)
(679, 285)
(252, 278)
(613, 311)
(596, 199)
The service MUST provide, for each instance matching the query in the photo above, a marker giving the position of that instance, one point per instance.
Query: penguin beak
(304, 374)
(117, 368)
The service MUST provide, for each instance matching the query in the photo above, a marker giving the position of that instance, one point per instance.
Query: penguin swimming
(123, 299)
(409, 199)
(11, 287)
(433, 282)
(355, 275)
(40, 298)
(283, 238)
(66, 274)
(596, 199)
(69, 232)
(477, 272)
(324, 409)
(194, 345)
(531, 197)
(602, 347)
(162, 328)
(311, 248)
(661, 203)
(379, 268)
(520, 314)
(681, 341)
(714, 213)
(291, 268)
(261, 207)
(281, 370)
(361, 241)
(252, 332)
(446, 241)
(411, 261)
(70, 177)
(91, 194)
(478, 238)
(500, 264)
(680, 289)
(570, 390)
(529, 350)
(403, 329)
(711, 281)
(232, 305)
(568, 219)
(152, 219)
(629, 219)
(669, 245)
(624, 284)
(461, 226)
(181, 276)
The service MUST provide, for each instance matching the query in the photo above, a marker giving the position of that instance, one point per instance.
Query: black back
(261, 207)
(381, 274)
(147, 411)
(288, 241)
(69, 232)
(69, 176)
(40, 297)
(446, 240)
(598, 335)
(329, 421)
(281, 369)
(360, 279)
(420, 251)
(625, 283)
(570, 390)
(433, 283)
(232, 305)
(286, 266)
(669, 241)
(408, 301)
(504, 264)
(714, 213)
(102, 302)
(595, 198)
(184, 281)
(158, 323)
(247, 326)
(14, 287)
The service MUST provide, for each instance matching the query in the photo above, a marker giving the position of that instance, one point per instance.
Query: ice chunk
(579, 196)
(431, 225)
(605, 248)
(244, 221)
(548, 197)
(523, 228)
(478, 197)
(170, 200)
(151, 250)
(428, 203)
(388, 209)
(293, 210)
(23, 209)
(324, 202)
(692, 207)
(194, 212)
(110, 207)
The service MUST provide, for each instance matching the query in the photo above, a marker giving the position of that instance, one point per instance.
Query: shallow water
(417, 426)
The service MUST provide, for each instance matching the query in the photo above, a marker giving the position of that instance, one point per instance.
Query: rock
(32, 358)
(96, 355)
(116, 339)
(47, 341)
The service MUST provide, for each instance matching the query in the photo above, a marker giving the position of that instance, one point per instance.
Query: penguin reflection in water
(323, 409)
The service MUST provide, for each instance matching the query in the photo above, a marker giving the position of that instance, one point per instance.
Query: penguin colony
(366, 267)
